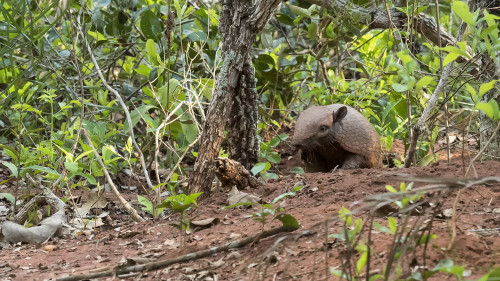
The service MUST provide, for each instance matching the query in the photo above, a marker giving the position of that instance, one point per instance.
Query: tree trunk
(240, 22)
(242, 134)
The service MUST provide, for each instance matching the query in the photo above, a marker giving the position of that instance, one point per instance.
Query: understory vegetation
(129, 83)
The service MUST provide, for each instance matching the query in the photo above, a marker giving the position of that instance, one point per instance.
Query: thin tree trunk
(242, 133)
(240, 22)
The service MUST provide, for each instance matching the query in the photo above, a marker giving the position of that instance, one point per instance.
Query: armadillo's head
(314, 126)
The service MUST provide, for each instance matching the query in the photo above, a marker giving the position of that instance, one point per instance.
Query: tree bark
(242, 134)
(231, 173)
(240, 22)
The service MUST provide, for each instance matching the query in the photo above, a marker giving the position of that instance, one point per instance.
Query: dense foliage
(163, 58)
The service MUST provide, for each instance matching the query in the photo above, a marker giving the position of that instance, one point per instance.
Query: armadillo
(336, 135)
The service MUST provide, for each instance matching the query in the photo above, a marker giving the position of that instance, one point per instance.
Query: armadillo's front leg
(354, 161)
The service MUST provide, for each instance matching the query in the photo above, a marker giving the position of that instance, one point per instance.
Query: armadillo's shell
(358, 135)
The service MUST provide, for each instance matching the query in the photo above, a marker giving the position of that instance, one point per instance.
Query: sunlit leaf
(461, 9)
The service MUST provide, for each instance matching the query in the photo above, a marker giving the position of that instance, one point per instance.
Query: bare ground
(306, 257)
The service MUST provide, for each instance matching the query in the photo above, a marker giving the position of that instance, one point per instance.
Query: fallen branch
(14, 231)
(184, 258)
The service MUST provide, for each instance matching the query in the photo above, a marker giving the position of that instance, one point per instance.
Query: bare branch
(131, 211)
(420, 126)
(378, 18)
(120, 100)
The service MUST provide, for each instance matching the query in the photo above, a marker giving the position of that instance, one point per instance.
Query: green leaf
(434, 134)
(389, 141)
(405, 57)
(181, 202)
(312, 30)
(152, 52)
(68, 155)
(449, 58)
(285, 19)
(346, 215)
(146, 204)
(423, 82)
(270, 176)
(44, 169)
(343, 85)
(297, 170)
(381, 228)
(361, 262)
(298, 188)
(358, 226)
(282, 196)
(490, 109)
(399, 87)
(453, 49)
(485, 87)
(377, 276)
(274, 142)
(151, 25)
(12, 168)
(493, 275)
(426, 238)
(10, 151)
(300, 11)
(490, 30)
(393, 224)
(107, 152)
(136, 115)
(8, 196)
(83, 155)
(462, 11)
(143, 70)
(390, 188)
(388, 110)
(288, 221)
(310, 93)
(190, 131)
(431, 158)
(470, 89)
(89, 177)
(259, 167)
(166, 92)
(283, 137)
(71, 166)
(445, 263)
(494, 105)
(274, 158)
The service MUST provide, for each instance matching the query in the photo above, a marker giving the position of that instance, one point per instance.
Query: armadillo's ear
(339, 114)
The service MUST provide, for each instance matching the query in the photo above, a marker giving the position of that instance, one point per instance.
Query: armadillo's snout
(296, 143)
